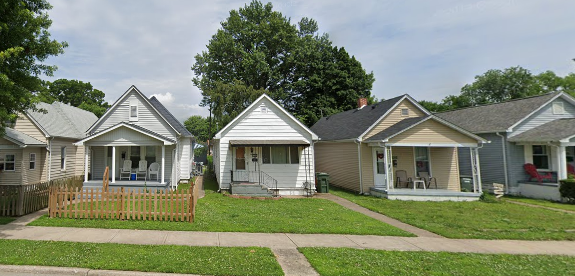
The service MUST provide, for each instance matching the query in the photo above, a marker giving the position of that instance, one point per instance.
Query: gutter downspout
(505, 171)
(50, 159)
(358, 142)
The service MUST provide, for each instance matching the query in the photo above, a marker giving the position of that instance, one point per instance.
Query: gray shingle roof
(22, 138)
(169, 117)
(398, 127)
(352, 123)
(495, 117)
(549, 132)
(62, 120)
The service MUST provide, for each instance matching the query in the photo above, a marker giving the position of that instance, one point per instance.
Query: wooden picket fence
(19, 200)
(123, 204)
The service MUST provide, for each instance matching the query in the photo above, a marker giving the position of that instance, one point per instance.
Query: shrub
(567, 189)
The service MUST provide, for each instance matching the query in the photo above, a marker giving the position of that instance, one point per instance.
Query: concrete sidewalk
(284, 240)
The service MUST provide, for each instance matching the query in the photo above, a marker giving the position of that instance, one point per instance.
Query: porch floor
(127, 183)
(424, 195)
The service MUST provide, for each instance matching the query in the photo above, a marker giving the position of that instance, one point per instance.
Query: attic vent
(558, 108)
(404, 112)
(264, 109)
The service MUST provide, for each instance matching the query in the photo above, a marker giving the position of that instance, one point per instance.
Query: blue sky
(428, 49)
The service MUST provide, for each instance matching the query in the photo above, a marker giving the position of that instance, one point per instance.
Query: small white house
(265, 146)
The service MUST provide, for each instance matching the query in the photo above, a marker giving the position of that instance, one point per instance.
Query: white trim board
(81, 142)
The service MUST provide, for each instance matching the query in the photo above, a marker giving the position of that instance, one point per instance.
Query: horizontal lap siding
(340, 161)
(405, 161)
(395, 116)
(444, 167)
(257, 125)
(98, 161)
(491, 160)
(35, 175)
(515, 162)
(124, 136)
(186, 157)
(12, 177)
(147, 117)
(24, 125)
(432, 132)
(543, 116)
(367, 167)
(56, 171)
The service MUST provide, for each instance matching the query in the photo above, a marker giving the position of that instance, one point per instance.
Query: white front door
(379, 167)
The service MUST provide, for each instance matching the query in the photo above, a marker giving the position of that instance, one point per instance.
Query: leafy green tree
(259, 50)
(199, 127)
(24, 45)
(76, 93)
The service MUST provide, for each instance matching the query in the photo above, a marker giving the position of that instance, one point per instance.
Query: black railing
(258, 177)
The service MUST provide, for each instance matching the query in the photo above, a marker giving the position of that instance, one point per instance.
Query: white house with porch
(265, 151)
(140, 142)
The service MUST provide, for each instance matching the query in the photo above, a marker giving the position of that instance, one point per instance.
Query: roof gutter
(358, 142)
(505, 172)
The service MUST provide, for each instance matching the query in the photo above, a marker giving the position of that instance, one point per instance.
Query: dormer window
(133, 112)
(558, 108)
(404, 112)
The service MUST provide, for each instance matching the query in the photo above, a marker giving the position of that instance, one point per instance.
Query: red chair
(531, 170)
(570, 169)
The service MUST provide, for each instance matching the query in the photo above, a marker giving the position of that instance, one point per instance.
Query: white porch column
(561, 162)
(479, 184)
(86, 161)
(163, 162)
(114, 164)
(473, 170)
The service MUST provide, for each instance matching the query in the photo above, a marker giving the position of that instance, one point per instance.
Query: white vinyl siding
(13, 177)
(273, 124)
(147, 116)
(545, 115)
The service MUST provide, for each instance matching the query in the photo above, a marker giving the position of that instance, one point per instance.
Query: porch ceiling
(252, 143)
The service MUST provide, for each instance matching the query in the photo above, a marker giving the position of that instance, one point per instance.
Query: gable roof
(397, 128)
(252, 105)
(553, 131)
(166, 140)
(154, 107)
(355, 123)
(498, 117)
(62, 120)
(169, 117)
(22, 139)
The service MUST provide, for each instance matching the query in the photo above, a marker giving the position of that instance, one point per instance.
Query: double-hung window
(63, 158)
(540, 156)
(32, 161)
(10, 162)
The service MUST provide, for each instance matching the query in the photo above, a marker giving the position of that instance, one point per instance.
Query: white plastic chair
(142, 169)
(154, 169)
(126, 170)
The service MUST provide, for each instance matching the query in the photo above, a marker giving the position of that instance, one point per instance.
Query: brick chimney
(361, 102)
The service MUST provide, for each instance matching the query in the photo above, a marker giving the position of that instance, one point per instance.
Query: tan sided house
(396, 149)
(39, 145)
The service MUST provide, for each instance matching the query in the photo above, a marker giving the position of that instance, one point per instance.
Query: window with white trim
(63, 158)
(404, 112)
(421, 160)
(280, 155)
(133, 112)
(558, 108)
(540, 156)
(10, 162)
(32, 165)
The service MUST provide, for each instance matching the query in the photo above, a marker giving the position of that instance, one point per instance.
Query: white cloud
(428, 49)
(165, 99)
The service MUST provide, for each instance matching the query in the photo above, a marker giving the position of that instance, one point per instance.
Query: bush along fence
(19, 200)
(123, 204)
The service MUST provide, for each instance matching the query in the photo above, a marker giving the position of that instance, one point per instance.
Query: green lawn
(546, 203)
(348, 261)
(6, 220)
(216, 212)
(148, 258)
(474, 220)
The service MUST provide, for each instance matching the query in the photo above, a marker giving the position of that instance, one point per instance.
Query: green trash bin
(466, 183)
(322, 182)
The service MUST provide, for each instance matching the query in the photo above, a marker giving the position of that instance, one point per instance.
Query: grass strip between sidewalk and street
(218, 213)
(348, 261)
(147, 258)
(492, 219)
(6, 220)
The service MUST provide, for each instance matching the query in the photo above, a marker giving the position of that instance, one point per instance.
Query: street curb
(53, 270)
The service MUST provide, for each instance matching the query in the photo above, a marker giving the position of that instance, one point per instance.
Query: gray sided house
(391, 148)
(537, 130)
(265, 151)
(40, 146)
(140, 142)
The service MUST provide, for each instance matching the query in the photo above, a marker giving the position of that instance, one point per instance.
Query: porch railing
(258, 177)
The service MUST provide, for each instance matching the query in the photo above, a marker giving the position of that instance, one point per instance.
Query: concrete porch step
(249, 189)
